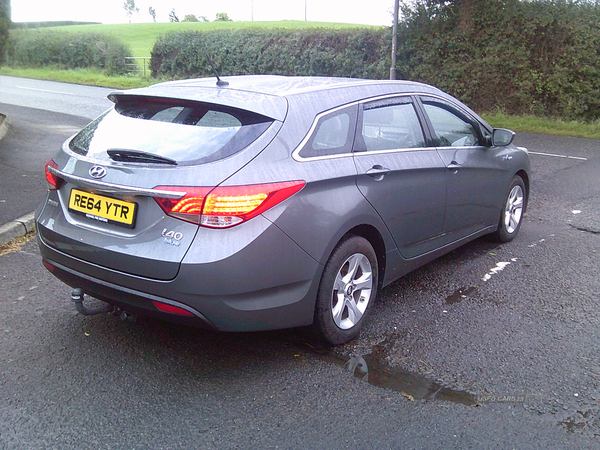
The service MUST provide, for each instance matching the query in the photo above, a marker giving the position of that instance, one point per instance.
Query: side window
(389, 125)
(451, 128)
(332, 135)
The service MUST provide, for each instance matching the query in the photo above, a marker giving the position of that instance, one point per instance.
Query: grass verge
(89, 77)
(541, 125)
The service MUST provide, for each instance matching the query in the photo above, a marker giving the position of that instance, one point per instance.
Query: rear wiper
(136, 156)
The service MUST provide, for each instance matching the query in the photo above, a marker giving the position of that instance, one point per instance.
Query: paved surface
(523, 344)
(73, 99)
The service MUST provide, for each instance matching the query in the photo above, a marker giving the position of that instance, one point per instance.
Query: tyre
(512, 212)
(347, 290)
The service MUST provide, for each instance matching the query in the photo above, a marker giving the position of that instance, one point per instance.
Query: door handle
(378, 172)
(454, 166)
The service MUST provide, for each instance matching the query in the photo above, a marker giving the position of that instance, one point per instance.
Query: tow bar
(77, 297)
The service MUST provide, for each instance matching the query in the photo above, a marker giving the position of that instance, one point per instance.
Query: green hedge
(352, 52)
(33, 48)
(4, 26)
(523, 57)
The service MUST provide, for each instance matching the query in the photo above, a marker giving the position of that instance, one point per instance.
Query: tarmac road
(504, 338)
(73, 99)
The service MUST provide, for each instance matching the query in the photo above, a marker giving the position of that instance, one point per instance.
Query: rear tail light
(54, 182)
(226, 206)
(187, 208)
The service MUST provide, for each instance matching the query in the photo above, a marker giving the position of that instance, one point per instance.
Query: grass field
(141, 36)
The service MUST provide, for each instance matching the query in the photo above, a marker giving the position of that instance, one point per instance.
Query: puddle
(373, 369)
(460, 295)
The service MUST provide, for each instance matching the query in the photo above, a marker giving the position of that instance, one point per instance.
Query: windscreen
(184, 132)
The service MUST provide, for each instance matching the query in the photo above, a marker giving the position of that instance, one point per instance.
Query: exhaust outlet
(127, 317)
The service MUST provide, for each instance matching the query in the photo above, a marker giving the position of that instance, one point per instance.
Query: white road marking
(45, 90)
(65, 130)
(499, 268)
(559, 156)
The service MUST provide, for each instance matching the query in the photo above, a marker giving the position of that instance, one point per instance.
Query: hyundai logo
(97, 172)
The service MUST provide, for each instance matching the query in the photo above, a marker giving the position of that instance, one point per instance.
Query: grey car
(269, 202)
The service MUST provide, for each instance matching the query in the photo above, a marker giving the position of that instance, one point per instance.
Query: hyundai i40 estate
(270, 202)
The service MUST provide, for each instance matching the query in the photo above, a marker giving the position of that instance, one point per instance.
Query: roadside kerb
(4, 123)
(22, 225)
(16, 228)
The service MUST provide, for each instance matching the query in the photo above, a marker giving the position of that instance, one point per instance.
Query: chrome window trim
(115, 188)
(395, 150)
(386, 96)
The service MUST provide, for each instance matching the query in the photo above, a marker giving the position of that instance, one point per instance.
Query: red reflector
(48, 266)
(171, 309)
(54, 182)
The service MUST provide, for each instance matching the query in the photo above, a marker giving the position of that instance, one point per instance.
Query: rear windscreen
(184, 132)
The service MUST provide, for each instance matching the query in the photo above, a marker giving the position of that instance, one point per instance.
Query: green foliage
(190, 18)
(350, 52)
(140, 37)
(222, 17)
(523, 57)
(37, 48)
(173, 16)
(130, 8)
(4, 27)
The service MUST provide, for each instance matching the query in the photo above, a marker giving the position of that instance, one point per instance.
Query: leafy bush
(35, 48)
(523, 57)
(4, 26)
(352, 52)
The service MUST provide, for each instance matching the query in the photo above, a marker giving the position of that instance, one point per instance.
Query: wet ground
(491, 346)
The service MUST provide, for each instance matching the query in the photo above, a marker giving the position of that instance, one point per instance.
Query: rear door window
(390, 124)
(184, 132)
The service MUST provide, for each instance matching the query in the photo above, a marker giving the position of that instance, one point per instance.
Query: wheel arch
(371, 234)
(525, 177)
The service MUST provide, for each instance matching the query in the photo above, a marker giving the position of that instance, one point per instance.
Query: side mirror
(502, 137)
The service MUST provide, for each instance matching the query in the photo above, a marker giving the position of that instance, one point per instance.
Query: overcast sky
(370, 12)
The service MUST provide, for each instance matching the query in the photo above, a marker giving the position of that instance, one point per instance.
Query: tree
(223, 17)
(152, 12)
(130, 8)
(190, 18)
(4, 26)
(173, 16)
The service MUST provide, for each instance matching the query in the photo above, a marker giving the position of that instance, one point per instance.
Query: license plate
(103, 209)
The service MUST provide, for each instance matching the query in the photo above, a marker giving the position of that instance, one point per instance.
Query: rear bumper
(249, 290)
(124, 298)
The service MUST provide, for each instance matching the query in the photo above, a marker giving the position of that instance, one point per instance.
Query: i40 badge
(172, 237)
